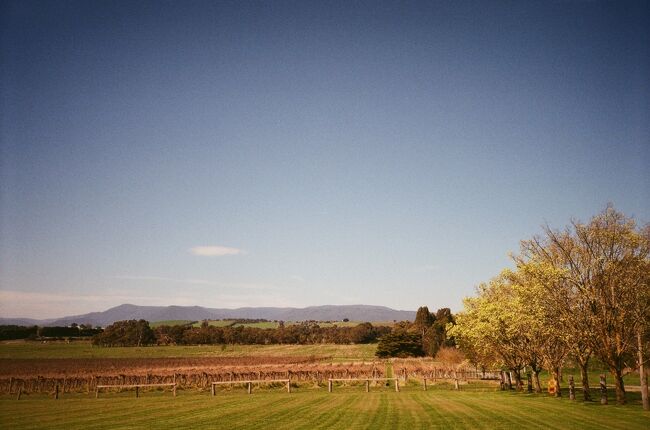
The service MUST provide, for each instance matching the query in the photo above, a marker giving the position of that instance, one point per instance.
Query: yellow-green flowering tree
(603, 286)
(489, 328)
(542, 325)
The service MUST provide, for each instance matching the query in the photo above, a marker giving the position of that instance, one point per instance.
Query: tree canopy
(580, 291)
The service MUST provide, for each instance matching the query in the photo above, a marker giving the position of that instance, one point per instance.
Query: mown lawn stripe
(309, 408)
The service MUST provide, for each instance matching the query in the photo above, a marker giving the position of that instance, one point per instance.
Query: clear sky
(275, 153)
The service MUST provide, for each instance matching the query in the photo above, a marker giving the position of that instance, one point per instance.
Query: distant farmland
(272, 324)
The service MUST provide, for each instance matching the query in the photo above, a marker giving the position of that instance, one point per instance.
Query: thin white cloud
(215, 251)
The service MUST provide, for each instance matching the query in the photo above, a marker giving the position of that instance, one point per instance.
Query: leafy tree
(126, 333)
(399, 343)
(544, 335)
(11, 332)
(444, 316)
(424, 318)
(604, 276)
(489, 330)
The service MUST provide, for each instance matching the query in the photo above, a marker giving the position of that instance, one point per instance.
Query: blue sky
(231, 154)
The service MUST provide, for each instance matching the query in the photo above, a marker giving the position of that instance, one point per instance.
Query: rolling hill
(197, 313)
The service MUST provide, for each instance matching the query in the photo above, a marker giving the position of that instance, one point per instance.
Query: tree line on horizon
(578, 293)
(14, 332)
(422, 337)
(139, 333)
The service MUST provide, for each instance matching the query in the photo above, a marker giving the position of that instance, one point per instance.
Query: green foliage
(578, 291)
(11, 332)
(305, 332)
(400, 343)
(433, 329)
(424, 318)
(72, 331)
(126, 333)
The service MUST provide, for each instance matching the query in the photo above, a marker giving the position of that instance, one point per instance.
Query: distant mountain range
(198, 313)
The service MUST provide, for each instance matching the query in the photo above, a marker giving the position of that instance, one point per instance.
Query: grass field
(334, 353)
(476, 406)
(309, 408)
(169, 322)
(83, 349)
(271, 324)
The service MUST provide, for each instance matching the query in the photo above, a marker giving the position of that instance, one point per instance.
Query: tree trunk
(519, 384)
(556, 375)
(538, 386)
(643, 377)
(620, 386)
(584, 376)
(643, 374)
(509, 380)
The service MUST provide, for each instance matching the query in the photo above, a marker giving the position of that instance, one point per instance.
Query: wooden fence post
(603, 390)
(329, 386)
(56, 392)
(424, 384)
(96, 391)
(137, 391)
(174, 389)
(289, 385)
(367, 386)
(250, 387)
(397, 385)
(572, 388)
(20, 392)
(213, 390)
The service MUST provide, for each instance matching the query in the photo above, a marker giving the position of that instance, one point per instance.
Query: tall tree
(600, 263)
(489, 327)
(424, 318)
(542, 326)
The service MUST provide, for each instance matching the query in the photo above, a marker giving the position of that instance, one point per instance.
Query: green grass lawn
(315, 408)
(83, 349)
(169, 322)
(215, 323)
(631, 379)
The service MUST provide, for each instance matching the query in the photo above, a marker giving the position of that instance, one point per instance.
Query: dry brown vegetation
(451, 366)
(44, 375)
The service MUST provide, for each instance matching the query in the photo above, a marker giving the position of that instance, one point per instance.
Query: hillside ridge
(197, 313)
